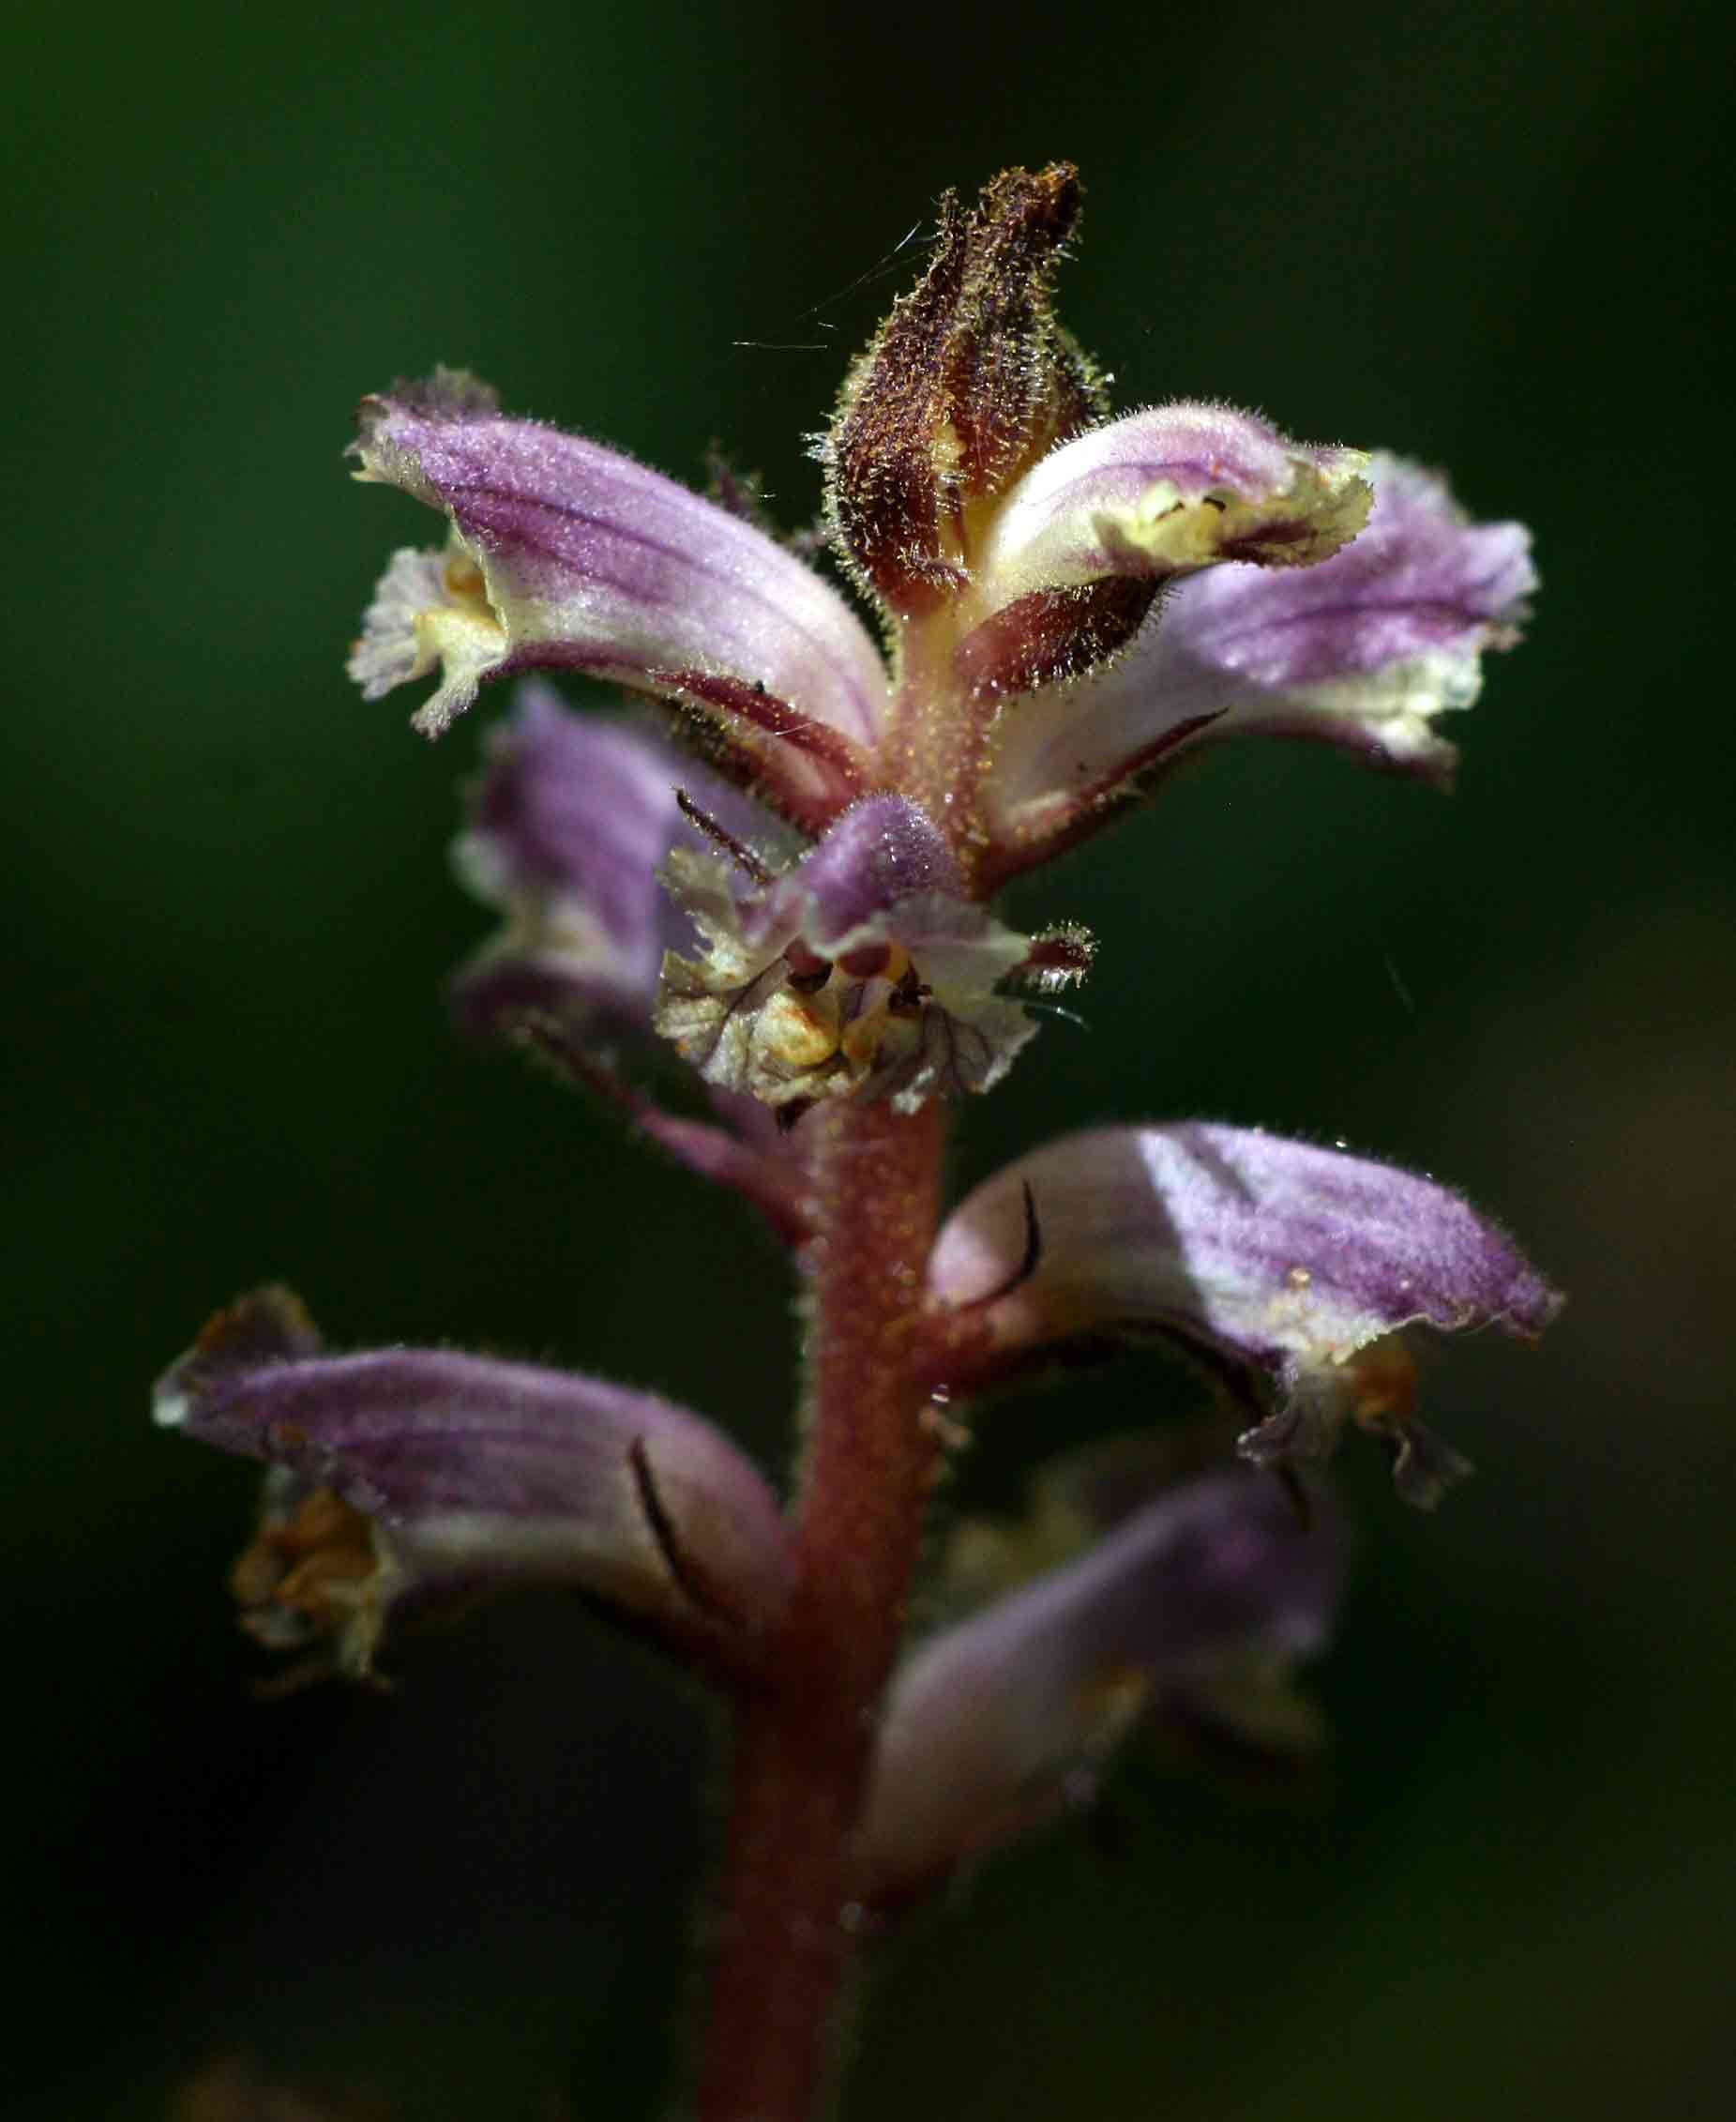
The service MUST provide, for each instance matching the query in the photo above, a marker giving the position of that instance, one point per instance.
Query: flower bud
(967, 383)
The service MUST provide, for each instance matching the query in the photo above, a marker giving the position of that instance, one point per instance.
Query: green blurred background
(1487, 236)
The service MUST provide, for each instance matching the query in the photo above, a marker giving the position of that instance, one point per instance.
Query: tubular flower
(570, 822)
(403, 1477)
(996, 1723)
(1287, 1268)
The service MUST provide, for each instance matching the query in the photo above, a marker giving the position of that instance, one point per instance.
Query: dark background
(1490, 236)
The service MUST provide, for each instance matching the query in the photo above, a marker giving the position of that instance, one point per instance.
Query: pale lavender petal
(1364, 651)
(474, 1472)
(581, 558)
(1164, 491)
(861, 972)
(882, 851)
(1278, 1261)
(569, 824)
(992, 1722)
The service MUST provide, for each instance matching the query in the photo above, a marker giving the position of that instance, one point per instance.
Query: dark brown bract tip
(965, 385)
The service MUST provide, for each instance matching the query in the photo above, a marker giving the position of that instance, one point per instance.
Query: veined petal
(577, 558)
(994, 1723)
(880, 854)
(1162, 492)
(1364, 650)
(1284, 1263)
(407, 1472)
(863, 971)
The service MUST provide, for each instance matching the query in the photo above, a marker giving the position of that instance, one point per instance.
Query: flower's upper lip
(737, 585)
(480, 1468)
(591, 560)
(1278, 1261)
(1364, 650)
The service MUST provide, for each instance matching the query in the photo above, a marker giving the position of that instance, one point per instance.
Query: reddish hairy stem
(783, 1938)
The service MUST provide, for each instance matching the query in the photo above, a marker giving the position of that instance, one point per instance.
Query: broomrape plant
(794, 884)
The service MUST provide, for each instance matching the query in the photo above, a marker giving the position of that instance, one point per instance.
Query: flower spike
(1285, 1265)
(1065, 603)
(862, 972)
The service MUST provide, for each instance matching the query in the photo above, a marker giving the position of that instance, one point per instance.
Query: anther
(809, 971)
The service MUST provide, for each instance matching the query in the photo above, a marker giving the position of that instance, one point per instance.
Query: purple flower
(564, 556)
(569, 824)
(1363, 651)
(1284, 1265)
(402, 1477)
(997, 1722)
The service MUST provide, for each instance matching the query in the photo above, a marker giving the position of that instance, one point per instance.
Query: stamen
(463, 578)
(738, 852)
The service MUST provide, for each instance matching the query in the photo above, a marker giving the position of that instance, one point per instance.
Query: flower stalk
(784, 1932)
